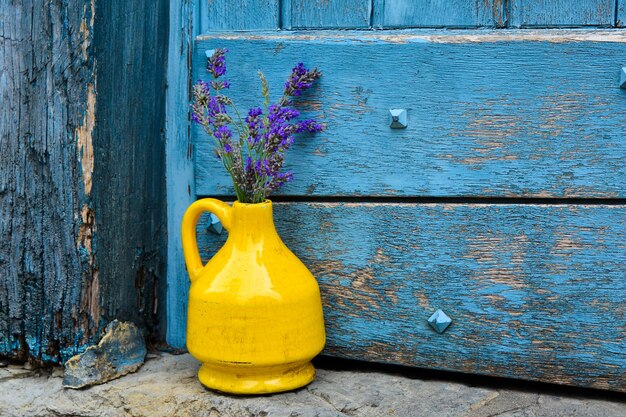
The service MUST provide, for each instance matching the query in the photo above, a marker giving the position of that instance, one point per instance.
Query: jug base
(250, 379)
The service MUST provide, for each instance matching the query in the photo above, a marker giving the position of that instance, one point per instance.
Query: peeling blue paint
(555, 129)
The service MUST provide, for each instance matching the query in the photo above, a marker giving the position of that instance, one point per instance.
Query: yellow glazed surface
(255, 314)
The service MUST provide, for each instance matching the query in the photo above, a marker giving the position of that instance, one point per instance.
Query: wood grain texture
(214, 15)
(129, 146)
(534, 291)
(81, 216)
(44, 133)
(309, 14)
(179, 172)
(494, 113)
(560, 13)
(438, 13)
(620, 16)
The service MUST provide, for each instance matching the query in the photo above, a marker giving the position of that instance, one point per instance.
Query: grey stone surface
(167, 386)
(14, 372)
(121, 350)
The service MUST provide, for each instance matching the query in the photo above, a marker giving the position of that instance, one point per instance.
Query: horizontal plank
(559, 13)
(438, 13)
(238, 15)
(534, 291)
(326, 14)
(491, 113)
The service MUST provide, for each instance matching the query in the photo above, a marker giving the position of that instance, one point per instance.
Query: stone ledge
(167, 386)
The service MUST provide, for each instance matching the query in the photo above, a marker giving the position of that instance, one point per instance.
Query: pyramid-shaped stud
(622, 78)
(439, 321)
(399, 119)
(215, 225)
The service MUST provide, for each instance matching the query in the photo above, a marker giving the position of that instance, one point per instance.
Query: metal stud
(215, 226)
(439, 321)
(399, 119)
(622, 78)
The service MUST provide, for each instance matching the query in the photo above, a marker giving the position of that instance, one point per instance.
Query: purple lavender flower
(214, 107)
(263, 167)
(255, 125)
(300, 80)
(216, 64)
(220, 85)
(280, 179)
(309, 126)
(267, 132)
(223, 134)
(203, 88)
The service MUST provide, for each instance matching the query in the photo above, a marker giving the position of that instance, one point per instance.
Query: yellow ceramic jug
(255, 314)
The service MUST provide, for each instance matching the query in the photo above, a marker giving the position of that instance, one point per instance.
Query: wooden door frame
(180, 187)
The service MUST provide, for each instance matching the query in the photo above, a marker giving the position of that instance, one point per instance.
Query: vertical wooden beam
(128, 181)
(179, 165)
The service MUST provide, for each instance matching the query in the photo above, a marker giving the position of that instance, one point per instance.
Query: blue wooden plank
(560, 13)
(179, 165)
(326, 14)
(215, 15)
(534, 291)
(620, 15)
(438, 13)
(535, 113)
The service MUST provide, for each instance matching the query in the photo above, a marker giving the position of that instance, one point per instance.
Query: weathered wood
(234, 14)
(309, 14)
(495, 113)
(534, 291)
(559, 13)
(179, 167)
(129, 147)
(80, 125)
(620, 17)
(46, 123)
(438, 13)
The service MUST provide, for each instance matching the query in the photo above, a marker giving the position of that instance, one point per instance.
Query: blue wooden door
(501, 203)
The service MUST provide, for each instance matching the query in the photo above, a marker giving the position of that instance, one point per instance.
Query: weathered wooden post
(82, 207)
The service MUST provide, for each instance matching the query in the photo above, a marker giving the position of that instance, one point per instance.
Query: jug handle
(190, 220)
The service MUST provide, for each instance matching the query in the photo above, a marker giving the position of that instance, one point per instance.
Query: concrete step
(166, 385)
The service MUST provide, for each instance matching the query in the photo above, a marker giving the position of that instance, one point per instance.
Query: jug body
(255, 316)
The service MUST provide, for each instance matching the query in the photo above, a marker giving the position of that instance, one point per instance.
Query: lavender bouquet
(254, 158)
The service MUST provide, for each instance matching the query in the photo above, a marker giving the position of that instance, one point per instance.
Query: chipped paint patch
(84, 137)
(85, 29)
(85, 231)
(90, 295)
(430, 36)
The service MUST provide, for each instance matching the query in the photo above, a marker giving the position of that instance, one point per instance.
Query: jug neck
(256, 219)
